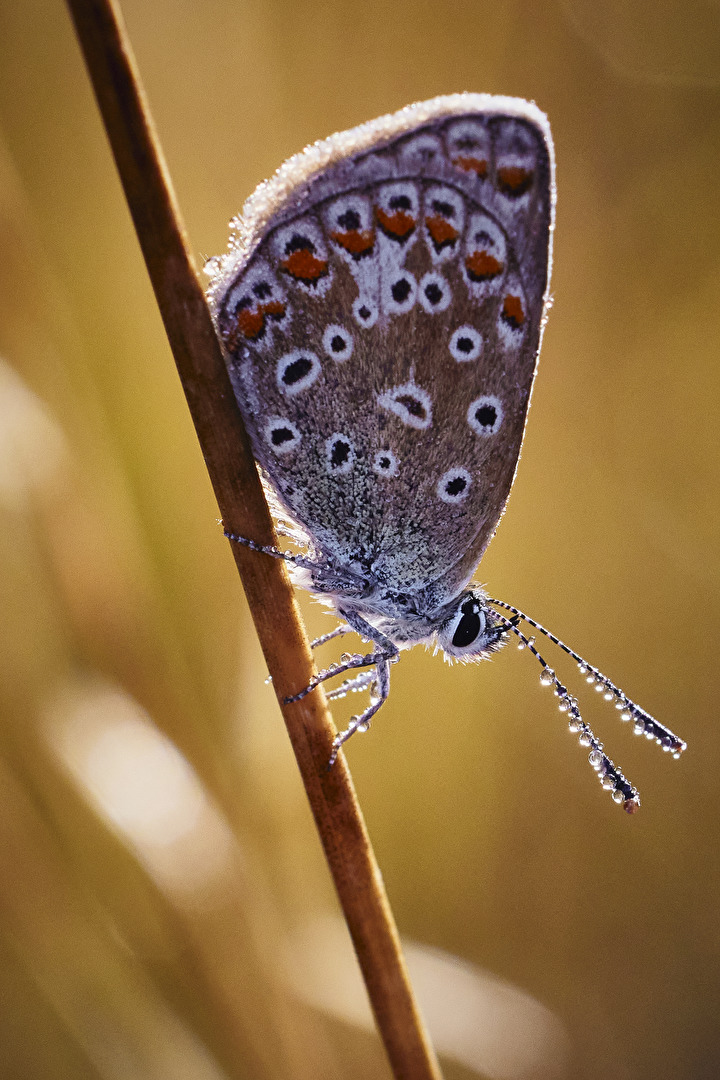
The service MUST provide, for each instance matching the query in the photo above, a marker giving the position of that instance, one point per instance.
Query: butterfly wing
(382, 308)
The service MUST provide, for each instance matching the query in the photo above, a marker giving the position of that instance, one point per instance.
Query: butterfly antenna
(645, 724)
(611, 778)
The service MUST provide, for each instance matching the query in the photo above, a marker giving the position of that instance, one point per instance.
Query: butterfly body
(381, 309)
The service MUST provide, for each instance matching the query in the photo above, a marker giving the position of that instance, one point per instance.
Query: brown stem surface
(234, 477)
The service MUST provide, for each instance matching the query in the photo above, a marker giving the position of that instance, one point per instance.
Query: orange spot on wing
(514, 180)
(355, 242)
(304, 266)
(481, 266)
(398, 225)
(250, 322)
(512, 311)
(472, 164)
(441, 231)
(275, 309)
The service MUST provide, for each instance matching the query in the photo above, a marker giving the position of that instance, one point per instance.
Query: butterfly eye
(471, 625)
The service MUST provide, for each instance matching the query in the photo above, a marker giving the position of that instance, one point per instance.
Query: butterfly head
(471, 630)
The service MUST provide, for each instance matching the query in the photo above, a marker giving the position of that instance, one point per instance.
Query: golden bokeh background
(165, 911)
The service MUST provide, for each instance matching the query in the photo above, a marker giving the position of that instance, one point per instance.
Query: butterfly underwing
(381, 308)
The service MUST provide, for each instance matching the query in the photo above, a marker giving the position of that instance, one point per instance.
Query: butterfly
(381, 308)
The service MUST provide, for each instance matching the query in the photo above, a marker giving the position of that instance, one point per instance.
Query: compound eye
(470, 626)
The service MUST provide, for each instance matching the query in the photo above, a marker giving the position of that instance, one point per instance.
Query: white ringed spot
(516, 160)
(349, 222)
(485, 256)
(399, 293)
(422, 149)
(410, 404)
(512, 317)
(485, 415)
(444, 221)
(385, 463)
(339, 454)
(338, 343)
(466, 344)
(397, 210)
(250, 309)
(302, 256)
(470, 147)
(365, 312)
(434, 293)
(454, 486)
(297, 370)
(281, 435)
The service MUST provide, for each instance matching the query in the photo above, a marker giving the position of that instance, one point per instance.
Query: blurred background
(165, 910)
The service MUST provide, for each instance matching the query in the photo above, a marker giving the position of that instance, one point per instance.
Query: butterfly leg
(341, 628)
(323, 578)
(387, 653)
(352, 686)
(355, 660)
(266, 549)
(381, 678)
(380, 660)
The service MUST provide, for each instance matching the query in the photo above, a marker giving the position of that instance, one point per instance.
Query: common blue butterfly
(381, 308)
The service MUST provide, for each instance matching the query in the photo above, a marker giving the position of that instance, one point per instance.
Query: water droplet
(582, 668)
(595, 758)
(621, 704)
(627, 715)
(521, 646)
(268, 680)
(599, 686)
(608, 783)
(649, 734)
(617, 796)
(574, 724)
(639, 728)
(585, 739)
(590, 679)
(547, 677)
(345, 657)
(608, 695)
(563, 706)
